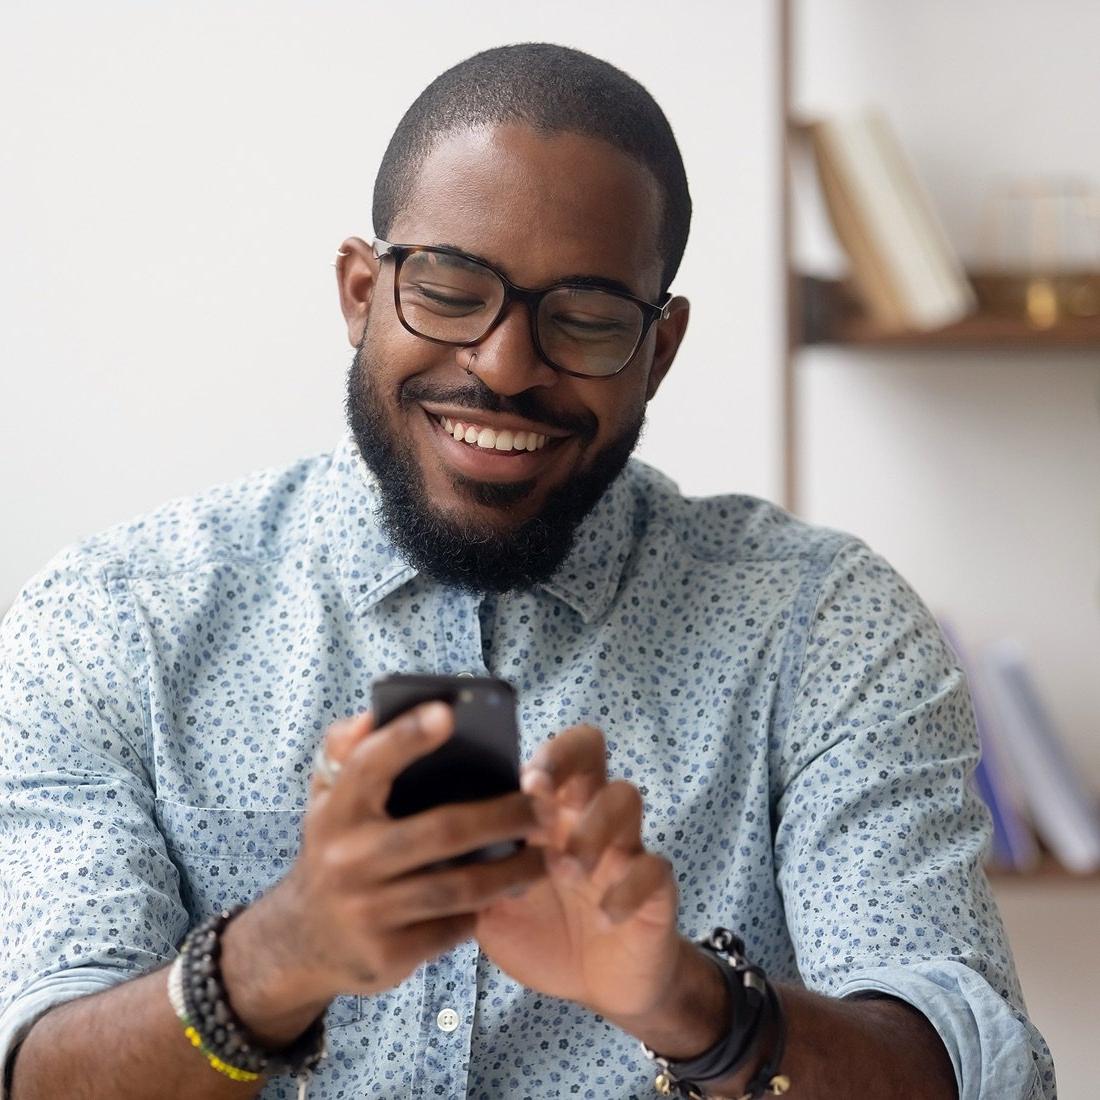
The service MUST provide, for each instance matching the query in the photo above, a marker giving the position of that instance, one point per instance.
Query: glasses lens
(589, 331)
(446, 297)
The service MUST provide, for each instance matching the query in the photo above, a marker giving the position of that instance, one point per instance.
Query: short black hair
(550, 89)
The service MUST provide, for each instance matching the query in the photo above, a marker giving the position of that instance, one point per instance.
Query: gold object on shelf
(1042, 300)
(1041, 303)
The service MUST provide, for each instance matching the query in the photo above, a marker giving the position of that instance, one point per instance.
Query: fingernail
(533, 779)
(433, 717)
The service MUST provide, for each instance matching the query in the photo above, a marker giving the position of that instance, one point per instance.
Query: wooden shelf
(831, 315)
(1048, 871)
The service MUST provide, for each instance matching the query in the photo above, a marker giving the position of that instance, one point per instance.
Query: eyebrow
(597, 282)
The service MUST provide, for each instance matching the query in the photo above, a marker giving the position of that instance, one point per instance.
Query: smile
(490, 439)
(498, 453)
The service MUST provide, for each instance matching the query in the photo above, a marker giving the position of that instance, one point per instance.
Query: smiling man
(493, 416)
(753, 859)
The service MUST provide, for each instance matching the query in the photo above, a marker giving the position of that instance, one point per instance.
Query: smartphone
(479, 760)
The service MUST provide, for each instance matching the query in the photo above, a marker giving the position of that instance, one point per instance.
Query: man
(790, 739)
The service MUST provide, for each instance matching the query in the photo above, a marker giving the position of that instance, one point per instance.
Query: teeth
(489, 439)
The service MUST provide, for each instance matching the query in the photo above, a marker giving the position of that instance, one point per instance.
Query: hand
(359, 910)
(600, 929)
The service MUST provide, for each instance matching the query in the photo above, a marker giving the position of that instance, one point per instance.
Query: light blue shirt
(801, 735)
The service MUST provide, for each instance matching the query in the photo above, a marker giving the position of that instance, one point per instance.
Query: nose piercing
(470, 362)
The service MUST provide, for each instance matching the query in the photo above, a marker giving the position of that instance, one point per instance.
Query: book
(995, 779)
(902, 262)
(1065, 812)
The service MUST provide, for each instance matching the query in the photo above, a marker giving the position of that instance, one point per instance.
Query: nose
(507, 360)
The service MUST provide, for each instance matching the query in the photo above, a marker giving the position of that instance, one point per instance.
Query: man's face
(540, 209)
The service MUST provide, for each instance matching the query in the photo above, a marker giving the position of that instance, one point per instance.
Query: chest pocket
(226, 857)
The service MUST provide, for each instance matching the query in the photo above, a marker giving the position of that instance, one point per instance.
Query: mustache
(477, 396)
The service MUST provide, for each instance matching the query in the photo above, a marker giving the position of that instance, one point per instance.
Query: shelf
(831, 315)
(1049, 871)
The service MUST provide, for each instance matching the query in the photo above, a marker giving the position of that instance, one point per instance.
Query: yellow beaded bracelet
(175, 996)
(222, 1067)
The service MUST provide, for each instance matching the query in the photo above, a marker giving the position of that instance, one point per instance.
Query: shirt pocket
(226, 857)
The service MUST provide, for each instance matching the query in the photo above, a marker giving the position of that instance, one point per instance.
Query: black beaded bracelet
(222, 1032)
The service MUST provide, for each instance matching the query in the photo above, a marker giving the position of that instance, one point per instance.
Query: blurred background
(899, 337)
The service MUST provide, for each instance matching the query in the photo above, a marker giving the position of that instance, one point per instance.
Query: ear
(357, 270)
(670, 333)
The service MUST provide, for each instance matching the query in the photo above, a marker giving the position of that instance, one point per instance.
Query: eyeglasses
(448, 297)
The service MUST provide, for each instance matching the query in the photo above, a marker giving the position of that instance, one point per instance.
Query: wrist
(692, 1014)
(273, 996)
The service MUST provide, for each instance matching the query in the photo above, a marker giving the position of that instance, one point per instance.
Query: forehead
(541, 207)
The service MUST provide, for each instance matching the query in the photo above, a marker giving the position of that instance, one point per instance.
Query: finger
(345, 734)
(456, 890)
(613, 817)
(376, 851)
(365, 779)
(573, 764)
(411, 946)
(648, 878)
(341, 737)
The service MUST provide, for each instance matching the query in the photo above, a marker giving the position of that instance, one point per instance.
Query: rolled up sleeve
(880, 838)
(89, 894)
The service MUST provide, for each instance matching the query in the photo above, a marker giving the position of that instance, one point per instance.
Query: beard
(447, 547)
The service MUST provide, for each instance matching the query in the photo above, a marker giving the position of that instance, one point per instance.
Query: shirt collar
(370, 567)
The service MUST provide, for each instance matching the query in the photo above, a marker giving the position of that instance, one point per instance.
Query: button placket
(446, 1023)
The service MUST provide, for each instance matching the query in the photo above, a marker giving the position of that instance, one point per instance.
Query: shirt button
(447, 1019)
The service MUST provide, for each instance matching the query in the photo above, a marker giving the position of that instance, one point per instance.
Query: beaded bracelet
(198, 997)
(175, 996)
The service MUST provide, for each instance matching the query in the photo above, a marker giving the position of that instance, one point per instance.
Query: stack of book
(1026, 775)
(903, 267)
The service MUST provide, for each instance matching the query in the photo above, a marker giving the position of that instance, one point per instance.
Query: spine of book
(1014, 844)
(1001, 849)
(1064, 811)
(873, 279)
(946, 294)
(902, 262)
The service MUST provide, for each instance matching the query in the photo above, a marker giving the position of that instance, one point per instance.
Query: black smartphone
(479, 760)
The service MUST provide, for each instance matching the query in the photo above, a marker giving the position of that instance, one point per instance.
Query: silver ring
(325, 769)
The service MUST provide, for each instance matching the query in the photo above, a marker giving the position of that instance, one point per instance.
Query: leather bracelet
(754, 1005)
(227, 1043)
(769, 1079)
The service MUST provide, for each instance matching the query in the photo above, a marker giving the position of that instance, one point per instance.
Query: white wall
(176, 177)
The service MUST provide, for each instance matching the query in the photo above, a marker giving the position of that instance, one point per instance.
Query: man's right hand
(359, 911)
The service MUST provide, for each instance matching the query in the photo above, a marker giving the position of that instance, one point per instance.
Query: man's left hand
(600, 929)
